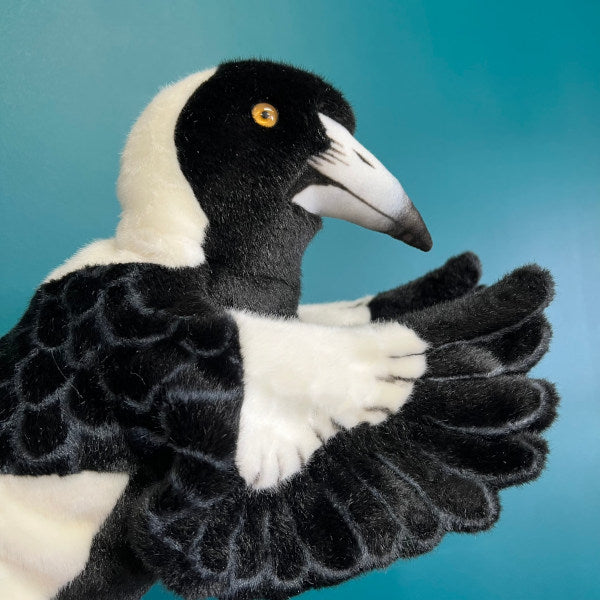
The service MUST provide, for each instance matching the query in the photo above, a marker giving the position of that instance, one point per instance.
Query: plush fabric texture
(88, 373)
(161, 220)
(303, 383)
(371, 494)
(368, 496)
(457, 277)
(130, 361)
(243, 179)
(343, 312)
(47, 525)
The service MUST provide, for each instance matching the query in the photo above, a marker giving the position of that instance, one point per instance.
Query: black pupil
(265, 114)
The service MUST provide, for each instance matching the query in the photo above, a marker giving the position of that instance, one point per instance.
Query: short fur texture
(303, 382)
(459, 423)
(47, 525)
(371, 494)
(161, 221)
(150, 369)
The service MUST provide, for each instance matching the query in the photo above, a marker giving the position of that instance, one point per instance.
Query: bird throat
(255, 263)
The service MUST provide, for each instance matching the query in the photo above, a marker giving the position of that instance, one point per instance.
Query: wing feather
(374, 494)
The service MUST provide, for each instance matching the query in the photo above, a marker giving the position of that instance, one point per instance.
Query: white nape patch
(47, 525)
(348, 313)
(161, 221)
(303, 382)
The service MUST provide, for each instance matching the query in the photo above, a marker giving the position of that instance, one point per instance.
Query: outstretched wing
(457, 277)
(85, 376)
(372, 494)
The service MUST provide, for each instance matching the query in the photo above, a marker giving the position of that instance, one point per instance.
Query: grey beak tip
(426, 243)
(419, 238)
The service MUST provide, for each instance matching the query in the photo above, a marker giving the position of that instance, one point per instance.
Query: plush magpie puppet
(168, 412)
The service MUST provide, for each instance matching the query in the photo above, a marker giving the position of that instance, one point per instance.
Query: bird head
(242, 161)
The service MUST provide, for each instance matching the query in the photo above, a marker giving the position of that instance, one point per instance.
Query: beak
(353, 185)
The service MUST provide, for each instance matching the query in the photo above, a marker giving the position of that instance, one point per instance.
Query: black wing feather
(373, 494)
(89, 375)
(100, 374)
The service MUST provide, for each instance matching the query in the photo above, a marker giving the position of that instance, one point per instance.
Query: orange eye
(265, 115)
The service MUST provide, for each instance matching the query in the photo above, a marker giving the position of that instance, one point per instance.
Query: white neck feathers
(161, 220)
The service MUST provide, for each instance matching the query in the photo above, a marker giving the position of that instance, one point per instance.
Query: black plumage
(93, 366)
(369, 496)
(138, 368)
(372, 494)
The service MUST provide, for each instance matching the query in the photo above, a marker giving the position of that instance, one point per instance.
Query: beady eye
(265, 115)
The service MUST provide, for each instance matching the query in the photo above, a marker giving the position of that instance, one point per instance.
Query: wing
(87, 379)
(372, 494)
(457, 277)
(86, 375)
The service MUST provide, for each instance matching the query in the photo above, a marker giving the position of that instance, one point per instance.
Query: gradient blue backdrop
(488, 114)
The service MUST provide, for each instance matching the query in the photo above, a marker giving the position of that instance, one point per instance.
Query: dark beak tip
(421, 240)
(426, 243)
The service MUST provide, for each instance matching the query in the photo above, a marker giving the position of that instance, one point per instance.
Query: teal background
(488, 112)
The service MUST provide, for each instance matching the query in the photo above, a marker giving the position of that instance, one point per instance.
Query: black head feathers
(244, 172)
(235, 453)
(203, 179)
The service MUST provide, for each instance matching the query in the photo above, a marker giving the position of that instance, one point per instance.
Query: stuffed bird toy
(168, 411)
